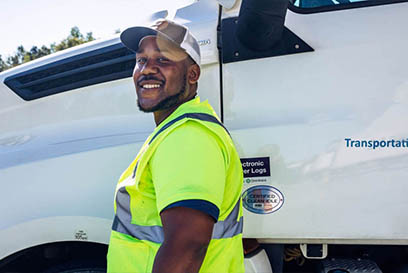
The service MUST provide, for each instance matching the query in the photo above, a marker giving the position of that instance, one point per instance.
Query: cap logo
(160, 25)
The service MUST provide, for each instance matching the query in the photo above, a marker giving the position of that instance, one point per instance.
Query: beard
(167, 102)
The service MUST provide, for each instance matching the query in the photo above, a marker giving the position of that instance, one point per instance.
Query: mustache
(148, 78)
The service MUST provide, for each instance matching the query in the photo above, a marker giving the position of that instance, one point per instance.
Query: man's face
(159, 75)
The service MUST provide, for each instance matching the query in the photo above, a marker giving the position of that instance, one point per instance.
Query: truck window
(97, 66)
(313, 6)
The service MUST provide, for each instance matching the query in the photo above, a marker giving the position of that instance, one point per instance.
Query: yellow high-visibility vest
(189, 156)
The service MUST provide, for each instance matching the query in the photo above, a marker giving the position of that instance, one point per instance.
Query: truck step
(349, 266)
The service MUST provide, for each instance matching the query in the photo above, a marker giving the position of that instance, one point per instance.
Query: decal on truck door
(262, 199)
(256, 167)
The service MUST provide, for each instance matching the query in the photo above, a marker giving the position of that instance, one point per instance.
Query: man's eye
(140, 60)
(162, 60)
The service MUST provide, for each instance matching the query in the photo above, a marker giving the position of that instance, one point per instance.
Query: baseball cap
(177, 34)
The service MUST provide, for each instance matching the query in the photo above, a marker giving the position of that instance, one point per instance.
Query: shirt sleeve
(189, 164)
(201, 205)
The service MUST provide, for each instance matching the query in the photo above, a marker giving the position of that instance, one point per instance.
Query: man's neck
(161, 115)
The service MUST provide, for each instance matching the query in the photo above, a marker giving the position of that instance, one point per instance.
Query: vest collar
(193, 105)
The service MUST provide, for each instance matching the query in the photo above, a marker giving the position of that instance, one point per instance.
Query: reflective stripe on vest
(222, 229)
(122, 222)
(199, 116)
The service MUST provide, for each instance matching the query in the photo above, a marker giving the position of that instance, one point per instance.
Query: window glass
(309, 6)
(320, 3)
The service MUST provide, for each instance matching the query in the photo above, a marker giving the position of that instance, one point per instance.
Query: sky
(42, 22)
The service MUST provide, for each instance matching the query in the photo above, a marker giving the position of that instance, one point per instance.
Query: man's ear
(193, 74)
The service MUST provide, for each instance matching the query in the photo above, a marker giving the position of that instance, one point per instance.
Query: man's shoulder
(191, 137)
(190, 131)
(190, 142)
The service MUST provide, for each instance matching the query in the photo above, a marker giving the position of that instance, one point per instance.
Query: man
(177, 206)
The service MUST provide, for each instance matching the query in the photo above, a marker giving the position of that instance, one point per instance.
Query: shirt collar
(183, 108)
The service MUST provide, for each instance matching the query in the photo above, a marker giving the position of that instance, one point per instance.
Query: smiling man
(178, 205)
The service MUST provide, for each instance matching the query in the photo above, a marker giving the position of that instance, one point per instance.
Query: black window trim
(22, 89)
(336, 7)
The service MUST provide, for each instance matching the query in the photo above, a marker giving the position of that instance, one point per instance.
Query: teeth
(149, 86)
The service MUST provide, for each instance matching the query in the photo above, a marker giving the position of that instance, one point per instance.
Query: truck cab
(303, 89)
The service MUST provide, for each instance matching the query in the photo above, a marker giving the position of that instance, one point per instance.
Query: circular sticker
(262, 199)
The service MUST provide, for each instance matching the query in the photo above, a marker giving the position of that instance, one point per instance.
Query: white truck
(317, 105)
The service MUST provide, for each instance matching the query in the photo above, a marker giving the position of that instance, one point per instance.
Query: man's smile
(148, 85)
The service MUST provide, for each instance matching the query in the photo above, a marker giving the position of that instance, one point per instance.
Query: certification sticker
(262, 199)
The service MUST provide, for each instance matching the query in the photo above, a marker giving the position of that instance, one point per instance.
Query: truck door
(293, 117)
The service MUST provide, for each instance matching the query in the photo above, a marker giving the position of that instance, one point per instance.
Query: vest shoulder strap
(199, 116)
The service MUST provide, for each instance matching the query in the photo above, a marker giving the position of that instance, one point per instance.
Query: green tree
(3, 65)
(22, 56)
(89, 37)
(13, 61)
(75, 38)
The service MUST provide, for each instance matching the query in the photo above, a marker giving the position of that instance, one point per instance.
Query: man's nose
(149, 67)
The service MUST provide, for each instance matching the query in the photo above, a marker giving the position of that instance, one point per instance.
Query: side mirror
(261, 23)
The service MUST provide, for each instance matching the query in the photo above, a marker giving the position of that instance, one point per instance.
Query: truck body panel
(61, 155)
(299, 109)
